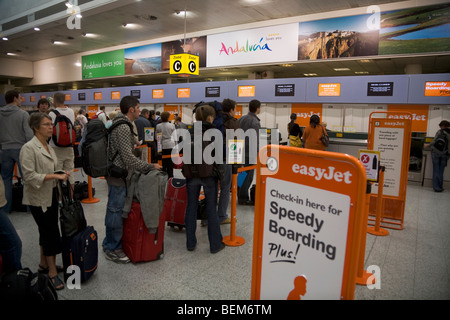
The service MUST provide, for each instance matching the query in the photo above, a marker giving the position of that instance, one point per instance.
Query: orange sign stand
(392, 137)
(377, 230)
(310, 210)
(90, 199)
(233, 240)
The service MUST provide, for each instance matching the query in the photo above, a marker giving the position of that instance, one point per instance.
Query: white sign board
(389, 142)
(149, 134)
(235, 151)
(305, 234)
(261, 45)
(370, 160)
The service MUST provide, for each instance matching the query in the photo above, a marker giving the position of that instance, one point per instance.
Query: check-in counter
(420, 165)
(349, 146)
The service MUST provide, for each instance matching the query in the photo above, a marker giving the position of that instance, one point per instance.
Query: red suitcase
(137, 243)
(175, 202)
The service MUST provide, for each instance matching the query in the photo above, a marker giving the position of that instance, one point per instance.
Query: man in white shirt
(65, 155)
(102, 115)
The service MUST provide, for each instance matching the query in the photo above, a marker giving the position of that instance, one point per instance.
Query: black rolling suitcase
(80, 243)
(81, 250)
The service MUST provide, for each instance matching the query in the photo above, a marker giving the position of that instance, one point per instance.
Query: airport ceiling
(164, 18)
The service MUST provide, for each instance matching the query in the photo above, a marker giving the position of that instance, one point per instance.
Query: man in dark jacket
(440, 154)
(141, 123)
(229, 122)
(249, 122)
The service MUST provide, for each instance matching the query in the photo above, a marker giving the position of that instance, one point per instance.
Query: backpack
(218, 120)
(96, 160)
(202, 170)
(64, 134)
(95, 116)
(24, 285)
(441, 142)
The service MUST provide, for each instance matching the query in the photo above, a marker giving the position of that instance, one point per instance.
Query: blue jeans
(439, 164)
(10, 244)
(113, 218)
(193, 191)
(243, 191)
(224, 198)
(9, 159)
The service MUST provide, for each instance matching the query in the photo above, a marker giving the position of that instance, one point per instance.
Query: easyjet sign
(419, 115)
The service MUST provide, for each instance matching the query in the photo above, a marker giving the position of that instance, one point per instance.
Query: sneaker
(117, 256)
(226, 221)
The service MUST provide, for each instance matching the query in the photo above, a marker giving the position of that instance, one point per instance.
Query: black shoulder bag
(71, 214)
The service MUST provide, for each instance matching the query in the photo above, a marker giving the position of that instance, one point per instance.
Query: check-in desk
(347, 145)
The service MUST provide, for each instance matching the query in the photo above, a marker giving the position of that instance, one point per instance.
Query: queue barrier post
(362, 275)
(233, 240)
(377, 230)
(90, 199)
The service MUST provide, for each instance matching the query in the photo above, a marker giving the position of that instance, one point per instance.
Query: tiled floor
(414, 262)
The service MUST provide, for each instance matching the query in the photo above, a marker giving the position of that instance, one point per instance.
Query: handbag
(71, 213)
(325, 139)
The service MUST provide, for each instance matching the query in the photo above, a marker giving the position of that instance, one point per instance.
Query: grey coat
(149, 190)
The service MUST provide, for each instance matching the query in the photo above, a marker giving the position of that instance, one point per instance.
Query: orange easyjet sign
(418, 115)
(305, 111)
(308, 221)
(437, 89)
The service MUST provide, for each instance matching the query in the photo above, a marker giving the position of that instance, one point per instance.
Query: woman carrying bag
(315, 134)
(39, 162)
(295, 133)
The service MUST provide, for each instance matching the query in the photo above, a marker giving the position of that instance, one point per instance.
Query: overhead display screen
(380, 88)
(284, 90)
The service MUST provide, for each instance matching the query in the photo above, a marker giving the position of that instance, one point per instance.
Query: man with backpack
(63, 119)
(122, 140)
(439, 154)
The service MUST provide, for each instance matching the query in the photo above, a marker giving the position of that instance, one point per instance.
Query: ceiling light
(310, 74)
(361, 72)
(57, 42)
(11, 54)
(5, 38)
(365, 60)
(89, 35)
(180, 14)
(286, 65)
(36, 29)
(341, 69)
(130, 25)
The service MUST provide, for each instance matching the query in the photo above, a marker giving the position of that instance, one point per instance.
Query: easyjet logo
(329, 173)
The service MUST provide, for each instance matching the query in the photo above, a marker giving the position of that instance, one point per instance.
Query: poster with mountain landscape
(337, 38)
(415, 30)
